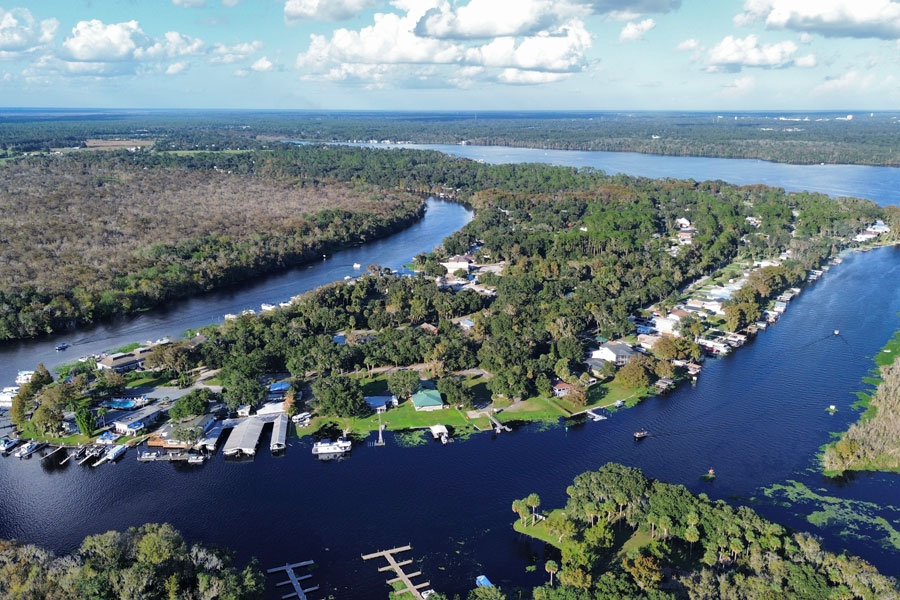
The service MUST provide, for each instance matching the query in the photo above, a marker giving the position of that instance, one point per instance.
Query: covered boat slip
(244, 438)
(279, 434)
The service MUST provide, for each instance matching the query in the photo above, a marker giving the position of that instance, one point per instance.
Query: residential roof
(619, 348)
(281, 386)
(425, 398)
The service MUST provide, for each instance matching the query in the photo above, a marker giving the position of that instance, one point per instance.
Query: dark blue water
(441, 219)
(757, 417)
(880, 184)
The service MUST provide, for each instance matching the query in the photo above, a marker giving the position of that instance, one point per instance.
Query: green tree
(455, 392)
(486, 593)
(340, 396)
(194, 403)
(533, 501)
(551, 566)
(86, 421)
(403, 383)
(240, 389)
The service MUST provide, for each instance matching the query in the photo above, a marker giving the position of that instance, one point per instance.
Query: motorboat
(7, 444)
(115, 452)
(62, 346)
(196, 459)
(339, 446)
(24, 377)
(28, 449)
(357, 266)
(641, 434)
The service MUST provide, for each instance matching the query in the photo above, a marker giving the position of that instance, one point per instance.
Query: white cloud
(522, 77)
(176, 68)
(172, 45)
(262, 65)
(389, 40)
(231, 2)
(849, 81)
(806, 62)
(324, 10)
(241, 73)
(222, 53)
(805, 38)
(688, 45)
(732, 53)
(97, 42)
(20, 32)
(190, 3)
(635, 31)
(739, 86)
(831, 18)
(560, 51)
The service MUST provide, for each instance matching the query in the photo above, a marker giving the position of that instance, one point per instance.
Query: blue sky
(452, 54)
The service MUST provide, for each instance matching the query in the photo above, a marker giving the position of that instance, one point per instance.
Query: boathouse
(244, 438)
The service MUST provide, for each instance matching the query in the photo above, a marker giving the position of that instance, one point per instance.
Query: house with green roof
(427, 397)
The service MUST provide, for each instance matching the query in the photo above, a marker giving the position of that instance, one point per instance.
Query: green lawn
(539, 530)
(30, 432)
(605, 395)
(125, 348)
(149, 380)
(534, 409)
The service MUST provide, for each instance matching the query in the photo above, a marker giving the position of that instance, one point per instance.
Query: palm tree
(691, 534)
(101, 414)
(551, 567)
(533, 501)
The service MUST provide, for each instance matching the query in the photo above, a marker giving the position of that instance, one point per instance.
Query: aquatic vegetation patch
(410, 439)
(852, 519)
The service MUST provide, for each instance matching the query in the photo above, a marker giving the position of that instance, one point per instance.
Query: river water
(757, 417)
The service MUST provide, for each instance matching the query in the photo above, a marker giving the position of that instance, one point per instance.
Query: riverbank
(871, 443)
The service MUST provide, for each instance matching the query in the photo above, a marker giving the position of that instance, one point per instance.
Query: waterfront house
(595, 366)
(134, 422)
(647, 341)
(427, 398)
(561, 389)
(666, 326)
(122, 362)
(618, 353)
(460, 262)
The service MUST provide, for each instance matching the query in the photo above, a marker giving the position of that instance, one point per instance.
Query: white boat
(115, 452)
(267, 307)
(248, 313)
(28, 449)
(339, 446)
(196, 459)
(24, 377)
(230, 317)
(357, 266)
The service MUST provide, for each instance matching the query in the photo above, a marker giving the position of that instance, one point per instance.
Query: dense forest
(873, 443)
(622, 535)
(87, 236)
(151, 562)
(805, 138)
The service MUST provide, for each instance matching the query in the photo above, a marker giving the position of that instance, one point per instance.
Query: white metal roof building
(244, 438)
(279, 433)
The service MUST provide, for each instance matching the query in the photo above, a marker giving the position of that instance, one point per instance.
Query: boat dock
(498, 426)
(52, 452)
(397, 567)
(244, 438)
(212, 437)
(163, 456)
(294, 580)
(279, 434)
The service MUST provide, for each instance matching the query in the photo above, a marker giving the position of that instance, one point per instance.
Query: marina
(244, 438)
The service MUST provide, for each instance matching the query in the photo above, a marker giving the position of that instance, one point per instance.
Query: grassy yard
(605, 395)
(30, 432)
(125, 348)
(149, 380)
(540, 408)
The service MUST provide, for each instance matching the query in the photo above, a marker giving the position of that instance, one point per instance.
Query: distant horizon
(457, 111)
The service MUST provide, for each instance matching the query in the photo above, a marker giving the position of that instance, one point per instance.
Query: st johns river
(758, 417)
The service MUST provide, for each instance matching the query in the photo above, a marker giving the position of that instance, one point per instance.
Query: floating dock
(294, 580)
(279, 434)
(244, 438)
(397, 567)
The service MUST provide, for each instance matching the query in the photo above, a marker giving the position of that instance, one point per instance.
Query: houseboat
(115, 452)
(339, 446)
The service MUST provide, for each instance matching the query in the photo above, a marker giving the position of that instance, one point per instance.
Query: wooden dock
(397, 567)
(163, 456)
(294, 580)
(498, 426)
(52, 452)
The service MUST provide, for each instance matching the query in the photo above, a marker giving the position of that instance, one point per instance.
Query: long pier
(498, 426)
(397, 567)
(294, 580)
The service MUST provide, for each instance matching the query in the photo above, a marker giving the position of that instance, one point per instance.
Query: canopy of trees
(151, 562)
(696, 548)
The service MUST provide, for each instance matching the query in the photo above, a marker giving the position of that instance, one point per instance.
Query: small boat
(7, 444)
(347, 278)
(248, 313)
(339, 446)
(641, 434)
(61, 347)
(115, 452)
(29, 449)
(837, 332)
(196, 459)
(230, 317)
(267, 307)
(357, 266)
(483, 581)
(24, 377)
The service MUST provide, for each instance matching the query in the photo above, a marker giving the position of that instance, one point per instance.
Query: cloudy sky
(452, 54)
